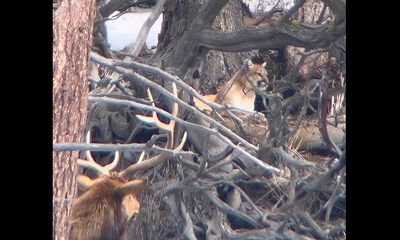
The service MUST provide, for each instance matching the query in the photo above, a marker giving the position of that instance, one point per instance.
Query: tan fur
(203, 106)
(103, 210)
(238, 91)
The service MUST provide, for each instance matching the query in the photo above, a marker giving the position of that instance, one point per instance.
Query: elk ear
(84, 183)
(264, 64)
(135, 186)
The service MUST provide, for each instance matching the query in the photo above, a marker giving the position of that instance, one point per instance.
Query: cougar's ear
(248, 63)
(264, 64)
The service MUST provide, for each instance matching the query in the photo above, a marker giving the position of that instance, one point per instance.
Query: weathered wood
(138, 44)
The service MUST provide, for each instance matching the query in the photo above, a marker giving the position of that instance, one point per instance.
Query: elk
(239, 90)
(109, 201)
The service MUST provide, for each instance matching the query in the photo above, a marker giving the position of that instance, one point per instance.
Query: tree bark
(192, 28)
(178, 41)
(72, 32)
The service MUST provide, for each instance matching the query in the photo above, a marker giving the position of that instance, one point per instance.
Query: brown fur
(99, 213)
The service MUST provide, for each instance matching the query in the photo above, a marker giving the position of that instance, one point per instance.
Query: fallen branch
(187, 124)
(133, 147)
(114, 65)
(228, 210)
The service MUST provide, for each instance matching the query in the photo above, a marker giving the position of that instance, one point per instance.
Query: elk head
(106, 203)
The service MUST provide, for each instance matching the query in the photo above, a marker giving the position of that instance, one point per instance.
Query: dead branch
(134, 147)
(187, 124)
(228, 210)
(113, 64)
(167, 76)
(137, 46)
(305, 216)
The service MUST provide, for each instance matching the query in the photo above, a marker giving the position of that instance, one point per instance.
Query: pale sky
(125, 29)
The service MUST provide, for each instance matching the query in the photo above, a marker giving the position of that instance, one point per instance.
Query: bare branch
(248, 199)
(251, 37)
(134, 147)
(152, 162)
(121, 5)
(305, 216)
(188, 124)
(113, 64)
(151, 108)
(111, 7)
(167, 76)
(137, 46)
(227, 209)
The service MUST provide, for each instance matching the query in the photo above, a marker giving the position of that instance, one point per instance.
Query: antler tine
(180, 146)
(154, 161)
(171, 125)
(169, 128)
(154, 119)
(114, 163)
(94, 166)
(91, 163)
(87, 153)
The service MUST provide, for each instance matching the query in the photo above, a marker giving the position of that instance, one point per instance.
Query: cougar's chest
(240, 97)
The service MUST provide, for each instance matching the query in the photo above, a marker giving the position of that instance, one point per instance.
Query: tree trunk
(178, 47)
(72, 32)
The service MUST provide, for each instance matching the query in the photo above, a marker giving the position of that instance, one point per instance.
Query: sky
(125, 29)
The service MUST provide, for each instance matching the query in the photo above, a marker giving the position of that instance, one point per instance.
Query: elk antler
(169, 128)
(90, 163)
